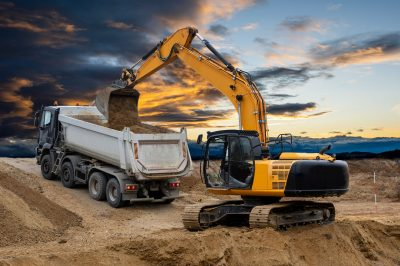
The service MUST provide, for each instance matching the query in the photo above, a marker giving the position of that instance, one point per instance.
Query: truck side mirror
(36, 119)
(199, 139)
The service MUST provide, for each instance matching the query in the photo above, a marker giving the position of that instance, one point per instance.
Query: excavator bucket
(119, 105)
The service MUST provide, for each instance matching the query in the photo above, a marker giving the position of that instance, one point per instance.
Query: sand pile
(27, 216)
(347, 243)
(123, 112)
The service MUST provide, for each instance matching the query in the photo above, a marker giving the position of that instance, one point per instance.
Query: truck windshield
(46, 119)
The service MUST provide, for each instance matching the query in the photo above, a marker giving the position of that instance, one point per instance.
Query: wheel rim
(66, 175)
(113, 193)
(94, 187)
(46, 166)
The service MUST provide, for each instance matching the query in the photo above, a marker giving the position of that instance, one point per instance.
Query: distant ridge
(395, 154)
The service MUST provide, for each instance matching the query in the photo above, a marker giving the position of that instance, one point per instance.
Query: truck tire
(97, 186)
(114, 195)
(67, 175)
(46, 166)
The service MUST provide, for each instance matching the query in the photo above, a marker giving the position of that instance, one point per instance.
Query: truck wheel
(67, 175)
(97, 186)
(114, 195)
(46, 166)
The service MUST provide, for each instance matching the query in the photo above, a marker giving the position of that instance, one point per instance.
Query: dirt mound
(362, 187)
(26, 215)
(347, 243)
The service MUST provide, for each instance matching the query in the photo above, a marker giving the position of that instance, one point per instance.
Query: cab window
(46, 119)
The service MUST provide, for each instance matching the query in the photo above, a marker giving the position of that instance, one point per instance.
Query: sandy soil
(44, 223)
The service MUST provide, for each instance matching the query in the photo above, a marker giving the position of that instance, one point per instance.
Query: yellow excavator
(239, 162)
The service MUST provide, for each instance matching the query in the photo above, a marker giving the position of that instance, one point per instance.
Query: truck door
(45, 127)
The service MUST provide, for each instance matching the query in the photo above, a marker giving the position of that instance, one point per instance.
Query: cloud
(249, 26)
(265, 42)
(334, 6)
(219, 30)
(280, 95)
(67, 54)
(365, 48)
(10, 94)
(290, 109)
(119, 25)
(49, 28)
(204, 12)
(17, 148)
(396, 109)
(302, 24)
(279, 77)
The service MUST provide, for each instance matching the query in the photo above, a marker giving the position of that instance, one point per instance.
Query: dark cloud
(361, 48)
(79, 47)
(377, 128)
(360, 130)
(281, 95)
(219, 30)
(301, 24)
(290, 109)
(278, 77)
(210, 94)
(349, 133)
(11, 147)
(173, 117)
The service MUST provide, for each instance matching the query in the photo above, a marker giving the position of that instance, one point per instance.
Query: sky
(324, 68)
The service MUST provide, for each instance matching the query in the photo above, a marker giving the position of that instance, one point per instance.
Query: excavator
(245, 166)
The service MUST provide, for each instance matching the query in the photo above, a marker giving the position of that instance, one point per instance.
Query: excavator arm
(232, 82)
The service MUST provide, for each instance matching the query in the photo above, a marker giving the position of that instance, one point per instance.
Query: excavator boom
(232, 82)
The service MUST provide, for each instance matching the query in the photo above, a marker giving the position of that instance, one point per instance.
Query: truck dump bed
(147, 156)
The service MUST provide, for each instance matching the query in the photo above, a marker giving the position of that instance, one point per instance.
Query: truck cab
(46, 121)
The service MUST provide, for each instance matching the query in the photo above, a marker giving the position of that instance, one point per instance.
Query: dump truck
(121, 166)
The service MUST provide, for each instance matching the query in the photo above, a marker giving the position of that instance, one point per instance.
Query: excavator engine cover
(117, 104)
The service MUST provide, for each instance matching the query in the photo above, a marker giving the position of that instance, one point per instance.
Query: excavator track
(292, 213)
(277, 215)
(201, 216)
(190, 217)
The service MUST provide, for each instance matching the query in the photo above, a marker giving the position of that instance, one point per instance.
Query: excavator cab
(229, 157)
